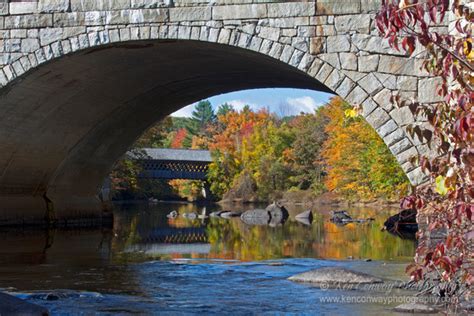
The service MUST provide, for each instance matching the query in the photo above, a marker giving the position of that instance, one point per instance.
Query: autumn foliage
(256, 152)
(232, 130)
(178, 139)
(445, 202)
(358, 163)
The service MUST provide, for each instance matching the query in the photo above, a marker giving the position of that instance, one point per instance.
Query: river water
(149, 264)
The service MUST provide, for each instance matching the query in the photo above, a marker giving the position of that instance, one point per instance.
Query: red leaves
(440, 249)
(447, 63)
(464, 126)
(425, 164)
(443, 9)
(459, 27)
(380, 25)
(416, 271)
(464, 209)
(420, 13)
(433, 11)
(455, 72)
(445, 263)
(408, 44)
(406, 24)
(178, 139)
(393, 41)
(408, 202)
(411, 202)
(469, 211)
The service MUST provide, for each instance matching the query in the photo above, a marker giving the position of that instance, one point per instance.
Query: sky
(281, 101)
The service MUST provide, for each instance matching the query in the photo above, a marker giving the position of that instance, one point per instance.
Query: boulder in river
(402, 224)
(190, 215)
(415, 308)
(229, 214)
(273, 215)
(172, 214)
(305, 218)
(256, 217)
(217, 213)
(334, 276)
(11, 305)
(278, 214)
(59, 294)
(340, 217)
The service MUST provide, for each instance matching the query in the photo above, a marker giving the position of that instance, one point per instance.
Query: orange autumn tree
(226, 146)
(358, 163)
(178, 139)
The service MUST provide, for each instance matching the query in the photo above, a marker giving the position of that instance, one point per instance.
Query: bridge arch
(71, 106)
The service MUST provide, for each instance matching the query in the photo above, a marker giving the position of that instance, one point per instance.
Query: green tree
(224, 109)
(179, 122)
(306, 150)
(155, 136)
(202, 116)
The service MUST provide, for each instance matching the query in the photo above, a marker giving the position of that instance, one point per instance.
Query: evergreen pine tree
(202, 116)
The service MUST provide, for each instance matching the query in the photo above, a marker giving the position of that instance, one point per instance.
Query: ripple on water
(209, 288)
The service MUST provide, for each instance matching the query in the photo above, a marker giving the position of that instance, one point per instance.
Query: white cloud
(236, 104)
(304, 104)
(187, 111)
(240, 104)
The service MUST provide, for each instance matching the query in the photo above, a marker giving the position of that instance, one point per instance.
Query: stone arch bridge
(81, 80)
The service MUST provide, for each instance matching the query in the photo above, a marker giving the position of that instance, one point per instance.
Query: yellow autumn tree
(358, 163)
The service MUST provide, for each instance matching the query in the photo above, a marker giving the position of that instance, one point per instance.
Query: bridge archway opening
(66, 122)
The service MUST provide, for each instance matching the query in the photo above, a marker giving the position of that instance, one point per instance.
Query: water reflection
(146, 230)
(143, 231)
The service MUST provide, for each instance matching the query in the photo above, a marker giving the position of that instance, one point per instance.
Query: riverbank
(310, 199)
(329, 198)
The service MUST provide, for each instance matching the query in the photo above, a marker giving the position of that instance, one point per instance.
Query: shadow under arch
(64, 123)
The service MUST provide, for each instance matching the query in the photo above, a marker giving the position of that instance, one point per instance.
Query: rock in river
(334, 276)
(278, 214)
(273, 215)
(172, 214)
(189, 215)
(217, 213)
(256, 217)
(403, 224)
(305, 218)
(11, 305)
(229, 214)
(415, 308)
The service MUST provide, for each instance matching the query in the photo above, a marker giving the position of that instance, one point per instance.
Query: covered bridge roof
(169, 154)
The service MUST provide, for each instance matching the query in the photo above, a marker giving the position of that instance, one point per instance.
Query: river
(149, 264)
